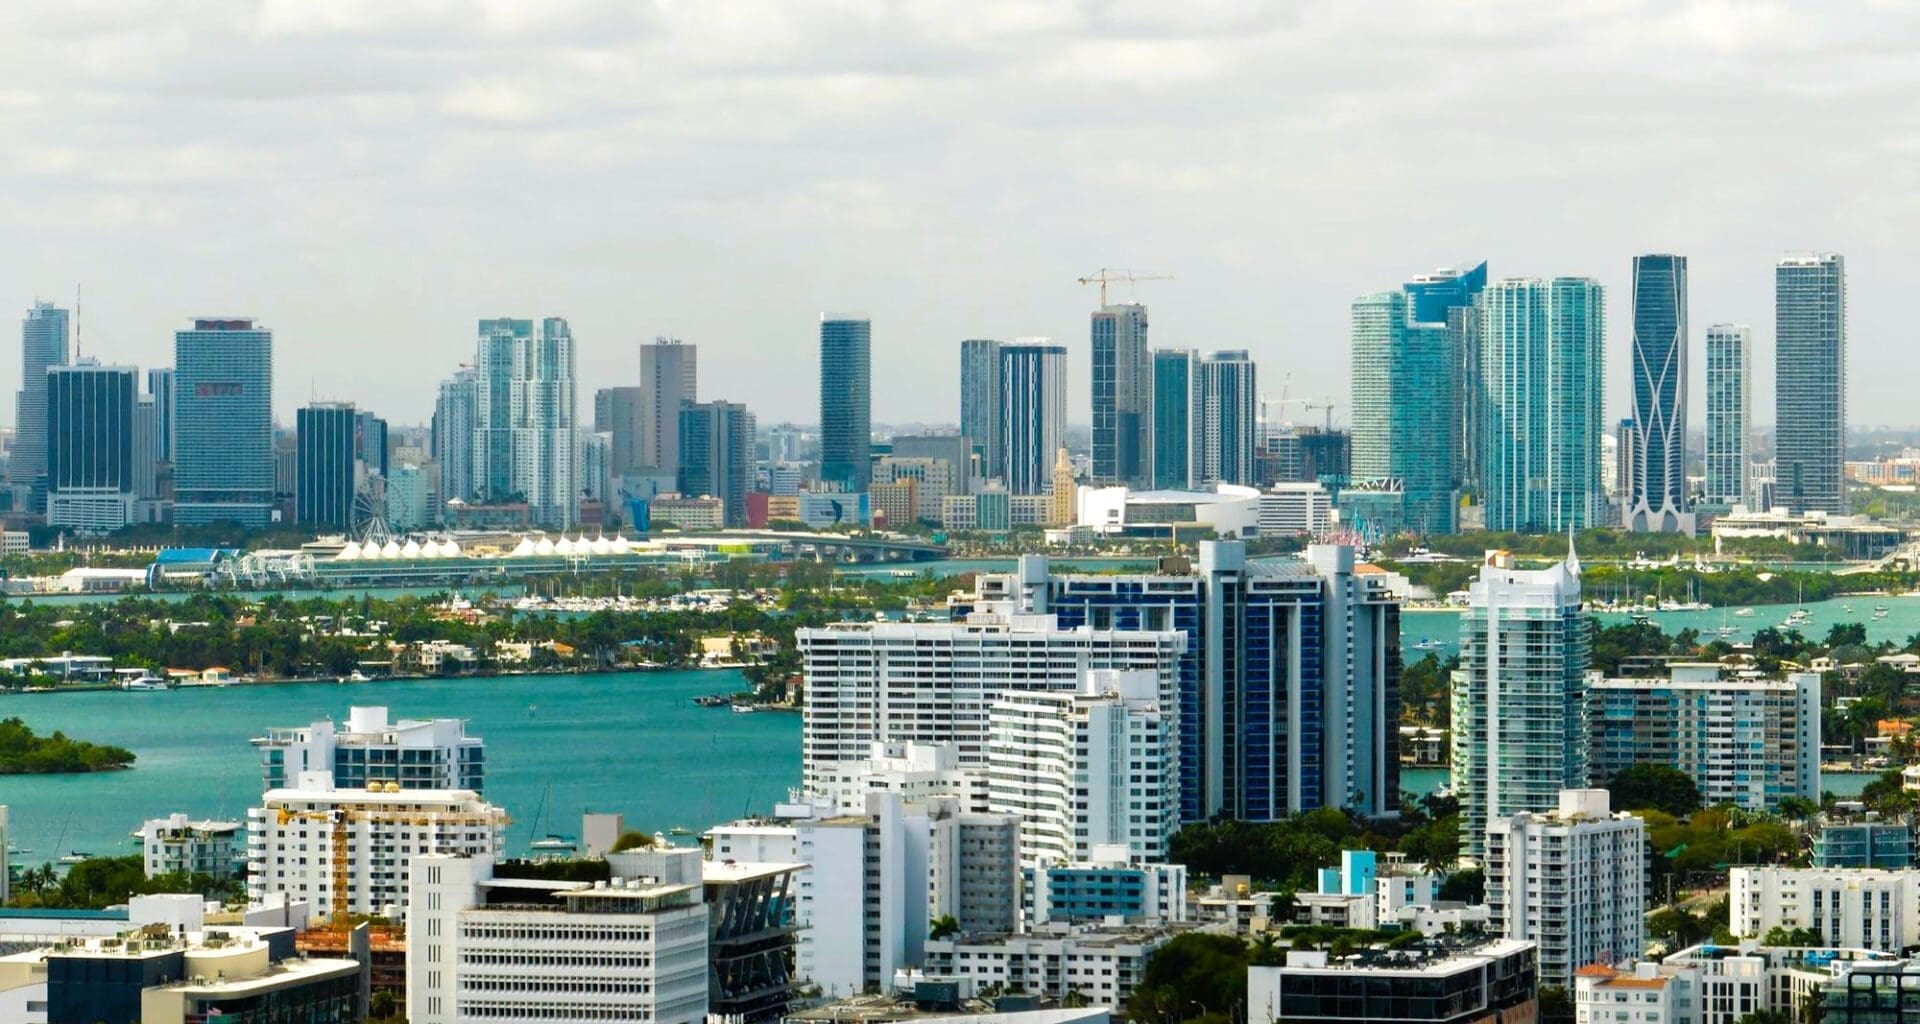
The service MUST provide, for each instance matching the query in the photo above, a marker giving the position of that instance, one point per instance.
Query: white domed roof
(450, 548)
(565, 547)
(524, 548)
(545, 547)
(349, 553)
(390, 550)
(620, 545)
(602, 546)
(411, 549)
(431, 549)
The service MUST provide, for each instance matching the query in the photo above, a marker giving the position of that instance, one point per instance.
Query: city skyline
(293, 145)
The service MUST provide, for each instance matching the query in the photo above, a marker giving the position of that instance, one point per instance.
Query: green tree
(1192, 971)
(944, 926)
(1656, 787)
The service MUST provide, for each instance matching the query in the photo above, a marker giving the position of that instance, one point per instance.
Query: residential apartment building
(1440, 981)
(1100, 964)
(1573, 880)
(1091, 768)
(1110, 884)
(368, 747)
(1542, 417)
(1729, 466)
(1748, 742)
(1866, 908)
(1810, 382)
(1405, 408)
(178, 845)
(223, 453)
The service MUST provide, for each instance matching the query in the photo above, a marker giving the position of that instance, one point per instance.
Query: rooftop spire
(1573, 557)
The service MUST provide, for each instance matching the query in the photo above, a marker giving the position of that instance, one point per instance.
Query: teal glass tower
(1810, 382)
(1175, 414)
(1541, 349)
(223, 424)
(846, 402)
(1404, 407)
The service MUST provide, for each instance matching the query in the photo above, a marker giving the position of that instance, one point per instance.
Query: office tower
(1091, 768)
(160, 389)
(90, 457)
(1541, 421)
(43, 344)
(1444, 300)
(618, 413)
(1657, 497)
(1229, 403)
(370, 444)
(1572, 878)
(1120, 393)
(146, 465)
(1748, 742)
(1810, 382)
(716, 455)
(1405, 408)
(980, 403)
(1176, 408)
(1288, 685)
(633, 950)
(326, 449)
(455, 418)
(935, 682)
(1729, 412)
(596, 465)
(1033, 411)
(525, 441)
(846, 402)
(369, 747)
(223, 424)
(669, 379)
(1519, 700)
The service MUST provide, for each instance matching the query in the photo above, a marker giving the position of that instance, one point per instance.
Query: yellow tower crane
(1110, 275)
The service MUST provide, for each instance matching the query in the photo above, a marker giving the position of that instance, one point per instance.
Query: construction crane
(1108, 275)
(1268, 405)
(1327, 404)
(340, 821)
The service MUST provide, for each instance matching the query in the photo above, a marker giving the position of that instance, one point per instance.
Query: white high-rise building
(1866, 908)
(1729, 413)
(487, 949)
(1573, 880)
(525, 432)
(934, 682)
(1098, 767)
(433, 753)
(347, 849)
(916, 771)
(1519, 699)
(876, 879)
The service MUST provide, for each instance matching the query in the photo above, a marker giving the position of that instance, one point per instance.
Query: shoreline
(410, 677)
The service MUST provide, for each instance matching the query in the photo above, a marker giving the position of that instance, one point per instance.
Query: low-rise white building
(481, 948)
(1440, 981)
(1095, 767)
(175, 844)
(347, 849)
(1573, 881)
(1868, 908)
(916, 771)
(1644, 993)
(1101, 964)
(1291, 509)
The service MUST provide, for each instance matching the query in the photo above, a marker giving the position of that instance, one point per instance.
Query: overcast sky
(369, 177)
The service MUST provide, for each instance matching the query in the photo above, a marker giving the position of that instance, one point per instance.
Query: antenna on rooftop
(76, 321)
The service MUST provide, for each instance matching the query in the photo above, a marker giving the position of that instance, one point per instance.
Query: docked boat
(712, 700)
(1744, 613)
(555, 844)
(75, 857)
(145, 681)
(744, 709)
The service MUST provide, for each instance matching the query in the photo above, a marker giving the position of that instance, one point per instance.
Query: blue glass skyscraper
(1176, 407)
(1540, 359)
(1033, 409)
(1120, 388)
(43, 344)
(223, 423)
(325, 450)
(1225, 438)
(90, 446)
(1447, 299)
(1810, 382)
(1405, 409)
(846, 402)
(1656, 498)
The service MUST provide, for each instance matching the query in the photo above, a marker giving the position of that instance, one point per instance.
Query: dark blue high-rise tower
(1657, 488)
(846, 402)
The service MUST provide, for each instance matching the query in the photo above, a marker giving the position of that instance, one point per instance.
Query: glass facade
(980, 403)
(324, 484)
(1404, 403)
(1033, 408)
(1175, 404)
(1657, 495)
(1120, 386)
(1541, 349)
(1810, 383)
(1228, 414)
(223, 424)
(846, 403)
(43, 345)
(716, 455)
(1729, 412)
(90, 438)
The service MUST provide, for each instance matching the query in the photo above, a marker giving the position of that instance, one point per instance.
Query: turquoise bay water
(632, 743)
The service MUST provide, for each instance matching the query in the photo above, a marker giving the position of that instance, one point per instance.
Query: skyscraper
(846, 402)
(1445, 299)
(1519, 699)
(160, 387)
(1810, 382)
(325, 450)
(370, 443)
(1120, 388)
(1033, 408)
(618, 413)
(43, 344)
(1405, 408)
(1729, 412)
(90, 446)
(525, 441)
(669, 379)
(455, 420)
(1542, 418)
(223, 423)
(980, 402)
(1176, 408)
(1657, 497)
(1228, 411)
(716, 455)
